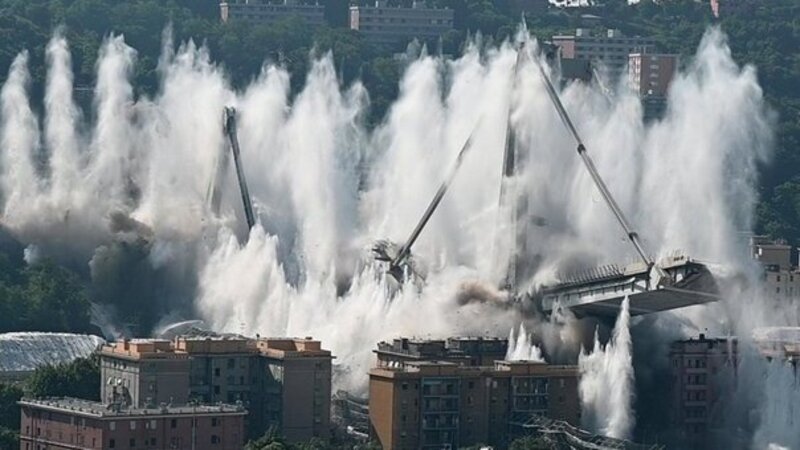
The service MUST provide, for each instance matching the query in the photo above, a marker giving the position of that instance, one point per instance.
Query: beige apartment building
(271, 11)
(284, 383)
(381, 24)
(609, 50)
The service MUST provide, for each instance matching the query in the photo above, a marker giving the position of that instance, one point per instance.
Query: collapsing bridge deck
(600, 292)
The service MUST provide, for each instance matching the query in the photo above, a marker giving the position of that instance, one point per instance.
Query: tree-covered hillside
(767, 36)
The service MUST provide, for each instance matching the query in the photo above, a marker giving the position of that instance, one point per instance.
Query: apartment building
(779, 343)
(442, 404)
(284, 383)
(143, 372)
(74, 424)
(610, 50)
(269, 11)
(780, 276)
(297, 385)
(701, 369)
(381, 24)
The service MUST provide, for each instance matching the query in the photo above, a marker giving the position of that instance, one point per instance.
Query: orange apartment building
(73, 424)
(442, 404)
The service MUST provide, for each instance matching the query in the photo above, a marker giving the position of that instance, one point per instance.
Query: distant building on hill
(610, 50)
(781, 277)
(268, 11)
(381, 24)
(651, 74)
(74, 424)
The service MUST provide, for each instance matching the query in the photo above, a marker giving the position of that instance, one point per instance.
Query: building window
(214, 439)
(216, 389)
(216, 372)
(152, 442)
(214, 422)
(231, 363)
(132, 442)
(152, 424)
(405, 386)
(133, 424)
(112, 443)
(112, 425)
(173, 423)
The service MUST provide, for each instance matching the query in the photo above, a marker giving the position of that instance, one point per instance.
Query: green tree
(80, 379)
(532, 443)
(9, 410)
(9, 416)
(56, 299)
(271, 440)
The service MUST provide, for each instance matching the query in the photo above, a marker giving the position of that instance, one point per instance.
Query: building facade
(284, 383)
(651, 74)
(381, 24)
(781, 278)
(610, 50)
(297, 385)
(701, 369)
(268, 11)
(143, 372)
(73, 424)
(440, 404)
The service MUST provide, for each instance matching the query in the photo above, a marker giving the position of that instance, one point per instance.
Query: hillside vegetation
(767, 37)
